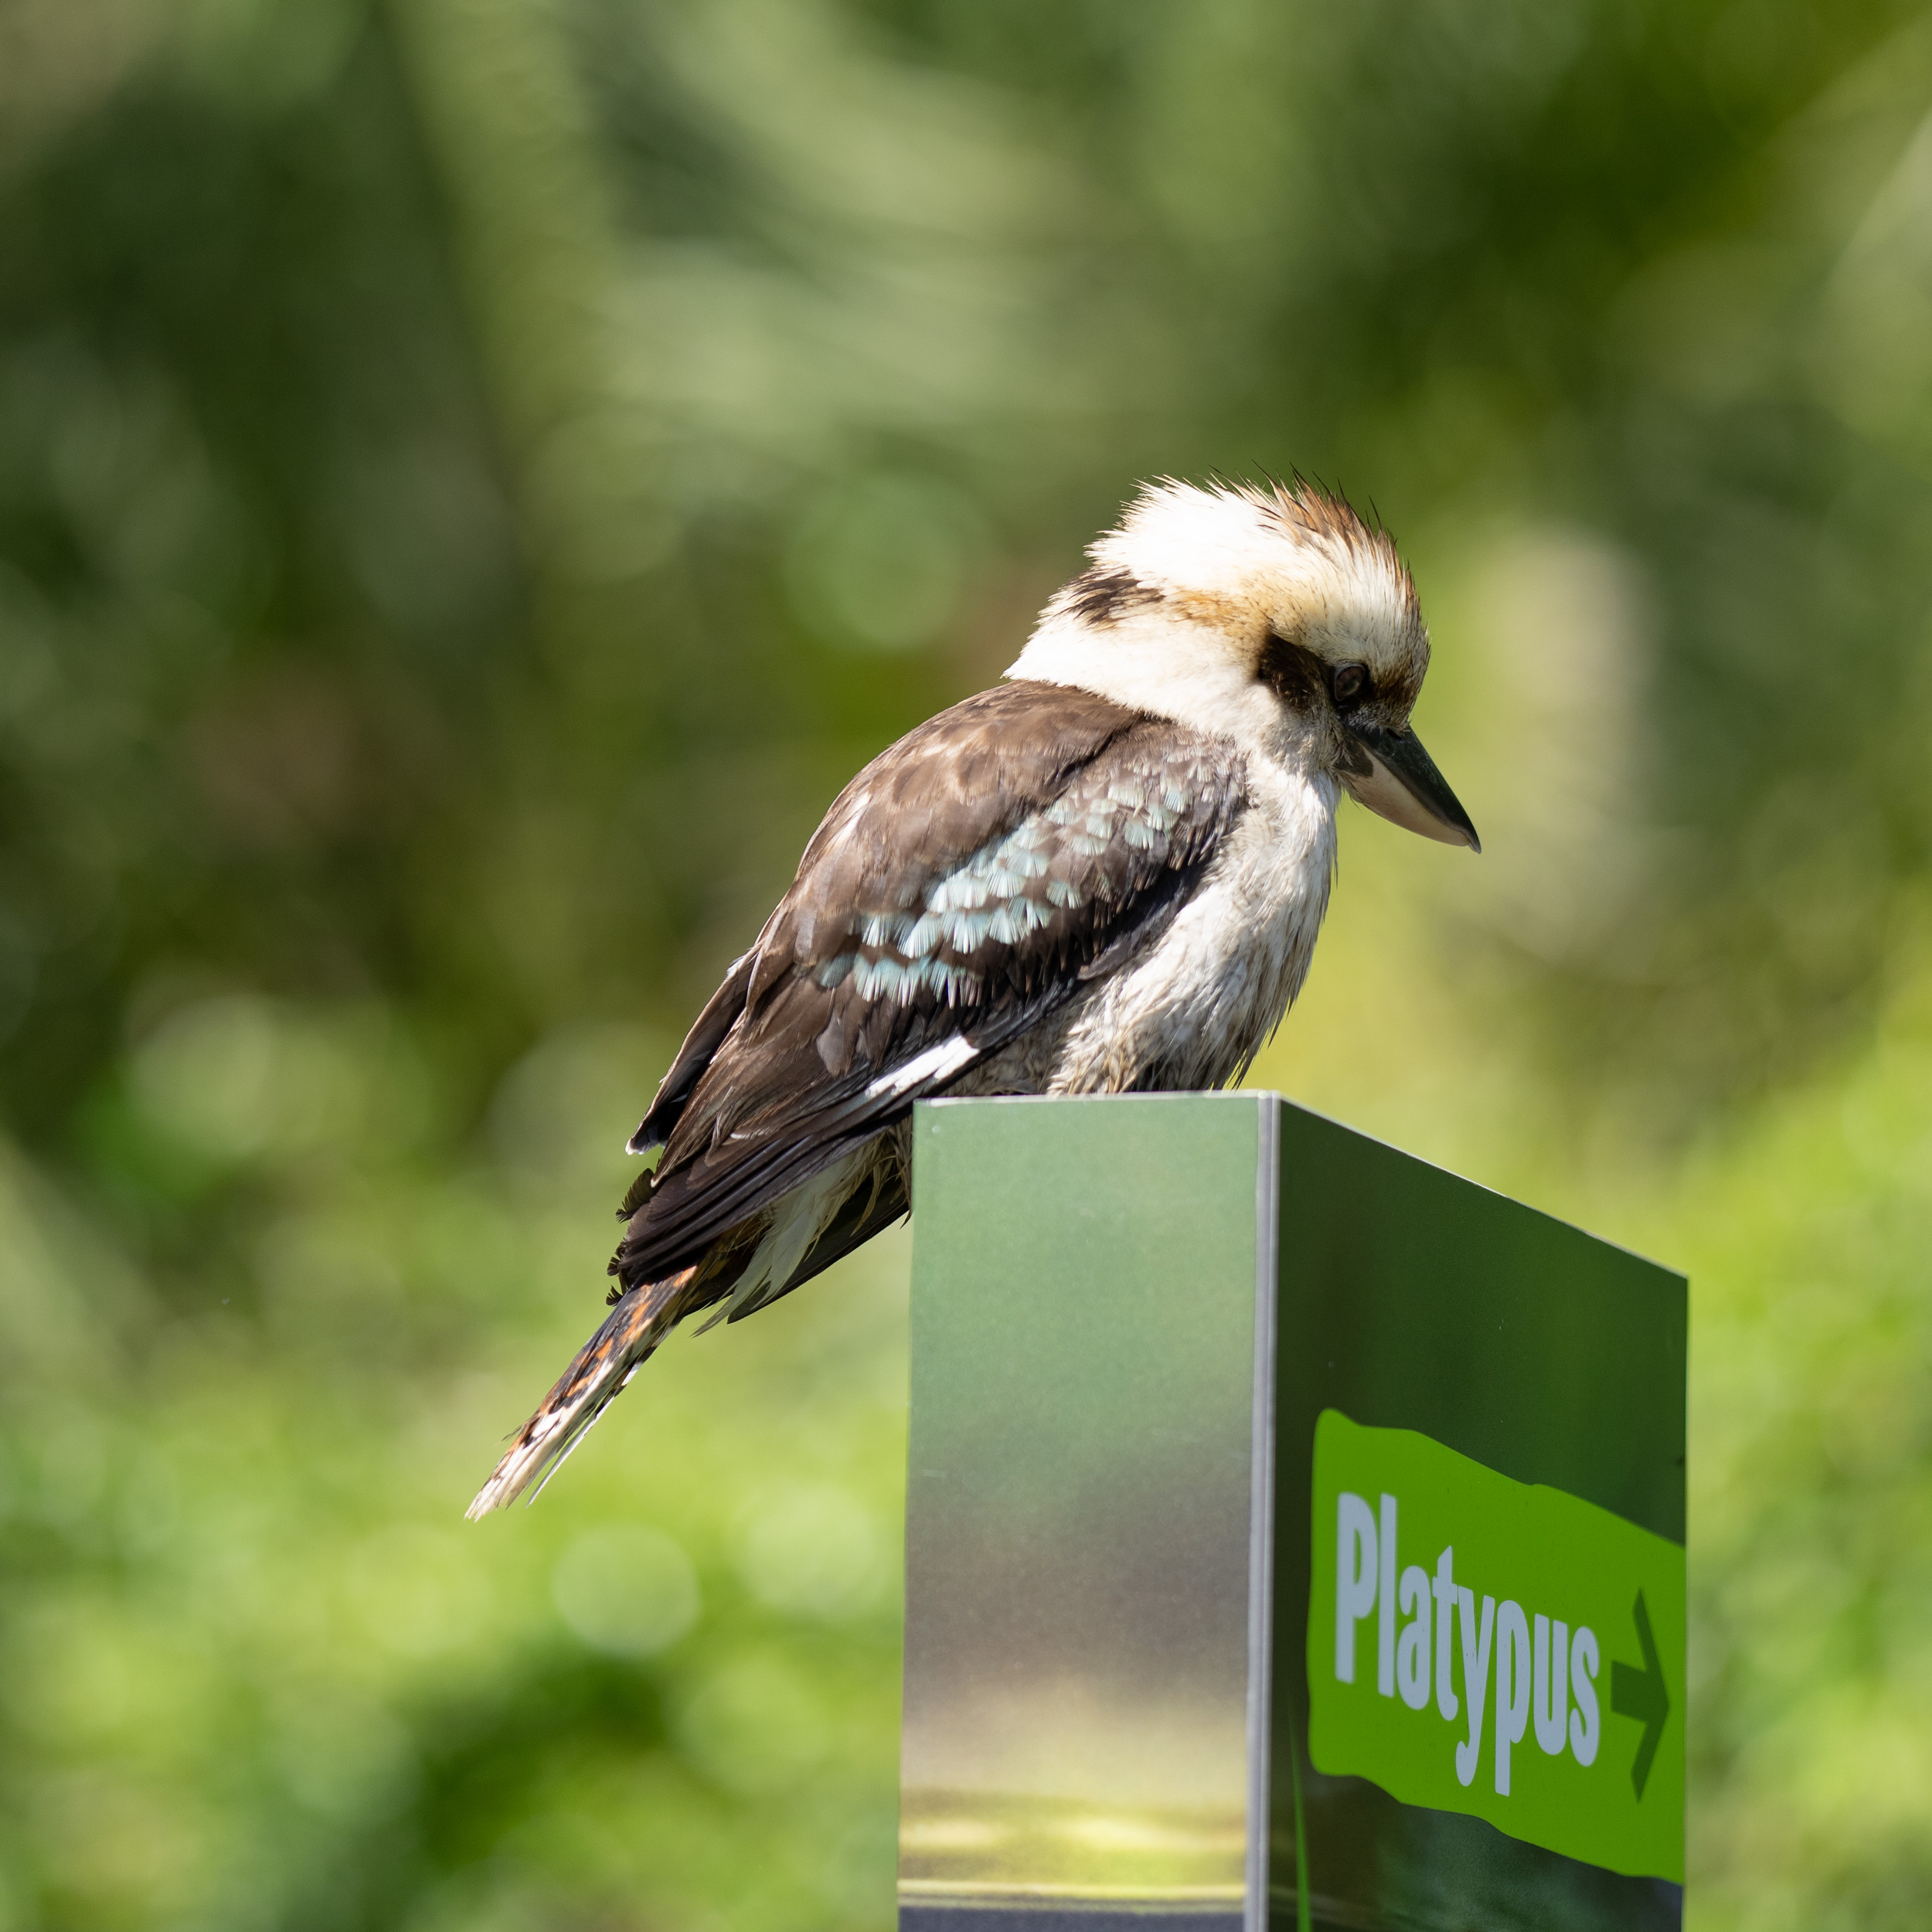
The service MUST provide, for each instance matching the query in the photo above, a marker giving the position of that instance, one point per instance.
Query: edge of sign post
(1267, 1214)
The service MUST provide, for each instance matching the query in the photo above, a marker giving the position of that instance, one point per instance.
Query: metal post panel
(1081, 1718)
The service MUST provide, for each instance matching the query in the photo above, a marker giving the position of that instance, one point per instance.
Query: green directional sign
(1486, 1646)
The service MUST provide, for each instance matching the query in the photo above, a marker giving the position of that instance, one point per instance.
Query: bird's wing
(705, 1037)
(968, 882)
(921, 807)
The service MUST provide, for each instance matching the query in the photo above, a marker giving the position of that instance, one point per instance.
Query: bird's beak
(1395, 777)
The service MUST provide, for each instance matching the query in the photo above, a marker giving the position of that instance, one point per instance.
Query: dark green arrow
(1641, 1694)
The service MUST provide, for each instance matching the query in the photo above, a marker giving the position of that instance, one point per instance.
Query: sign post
(1295, 1537)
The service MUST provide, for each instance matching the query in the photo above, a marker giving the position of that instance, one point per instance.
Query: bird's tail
(642, 1319)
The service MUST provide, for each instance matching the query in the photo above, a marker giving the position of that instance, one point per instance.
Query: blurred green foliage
(476, 476)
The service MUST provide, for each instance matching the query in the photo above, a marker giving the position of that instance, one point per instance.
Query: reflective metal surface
(1081, 1509)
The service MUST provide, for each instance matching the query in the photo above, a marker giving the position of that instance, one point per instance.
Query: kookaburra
(1103, 875)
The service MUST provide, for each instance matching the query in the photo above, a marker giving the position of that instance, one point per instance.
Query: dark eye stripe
(1291, 673)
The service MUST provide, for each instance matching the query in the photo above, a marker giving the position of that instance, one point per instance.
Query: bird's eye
(1351, 681)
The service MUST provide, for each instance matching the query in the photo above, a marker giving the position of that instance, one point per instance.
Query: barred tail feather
(645, 1315)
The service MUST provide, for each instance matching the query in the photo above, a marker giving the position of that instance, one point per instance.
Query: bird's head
(1273, 616)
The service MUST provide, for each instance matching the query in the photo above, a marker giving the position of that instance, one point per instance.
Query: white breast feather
(1198, 1005)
